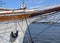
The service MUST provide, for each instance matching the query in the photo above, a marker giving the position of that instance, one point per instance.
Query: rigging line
(57, 21)
(28, 20)
(15, 20)
(54, 23)
(23, 3)
(51, 14)
(29, 31)
(22, 20)
(27, 26)
(15, 24)
(55, 16)
(25, 17)
(23, 32)
(41, 16)
(43, 30)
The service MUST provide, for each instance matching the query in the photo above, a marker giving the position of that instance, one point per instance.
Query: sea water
(43, 33)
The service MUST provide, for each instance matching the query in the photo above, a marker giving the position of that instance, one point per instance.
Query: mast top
(23, 7)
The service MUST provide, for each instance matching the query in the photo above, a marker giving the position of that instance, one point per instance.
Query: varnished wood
(23, 16)
(14, 17)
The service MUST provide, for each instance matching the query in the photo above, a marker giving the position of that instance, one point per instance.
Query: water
(44, 33)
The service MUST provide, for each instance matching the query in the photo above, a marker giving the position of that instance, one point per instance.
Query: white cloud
(37, 1)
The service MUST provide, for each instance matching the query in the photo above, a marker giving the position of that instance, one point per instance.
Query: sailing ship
(14, 23)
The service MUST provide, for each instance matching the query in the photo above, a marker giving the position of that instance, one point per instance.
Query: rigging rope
(44, 29)
(24, 32)
(15, 21)
(29, 31)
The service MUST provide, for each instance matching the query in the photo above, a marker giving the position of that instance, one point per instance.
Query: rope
(29, 30)
(23, 30)
(23, 33)
(15, 24)
(44, 29)
(15, 20)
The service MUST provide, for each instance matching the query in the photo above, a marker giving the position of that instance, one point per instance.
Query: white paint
(7, 28)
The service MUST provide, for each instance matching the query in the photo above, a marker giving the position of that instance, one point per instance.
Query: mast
(23, 8)
(23, 5)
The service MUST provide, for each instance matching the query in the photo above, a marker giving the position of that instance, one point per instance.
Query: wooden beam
(14, 17)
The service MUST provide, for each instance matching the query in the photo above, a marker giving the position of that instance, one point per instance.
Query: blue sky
(29, 3)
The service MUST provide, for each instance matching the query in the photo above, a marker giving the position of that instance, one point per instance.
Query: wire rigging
(44, 29)
(23, 32)
(29, 31)
(15, 21)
